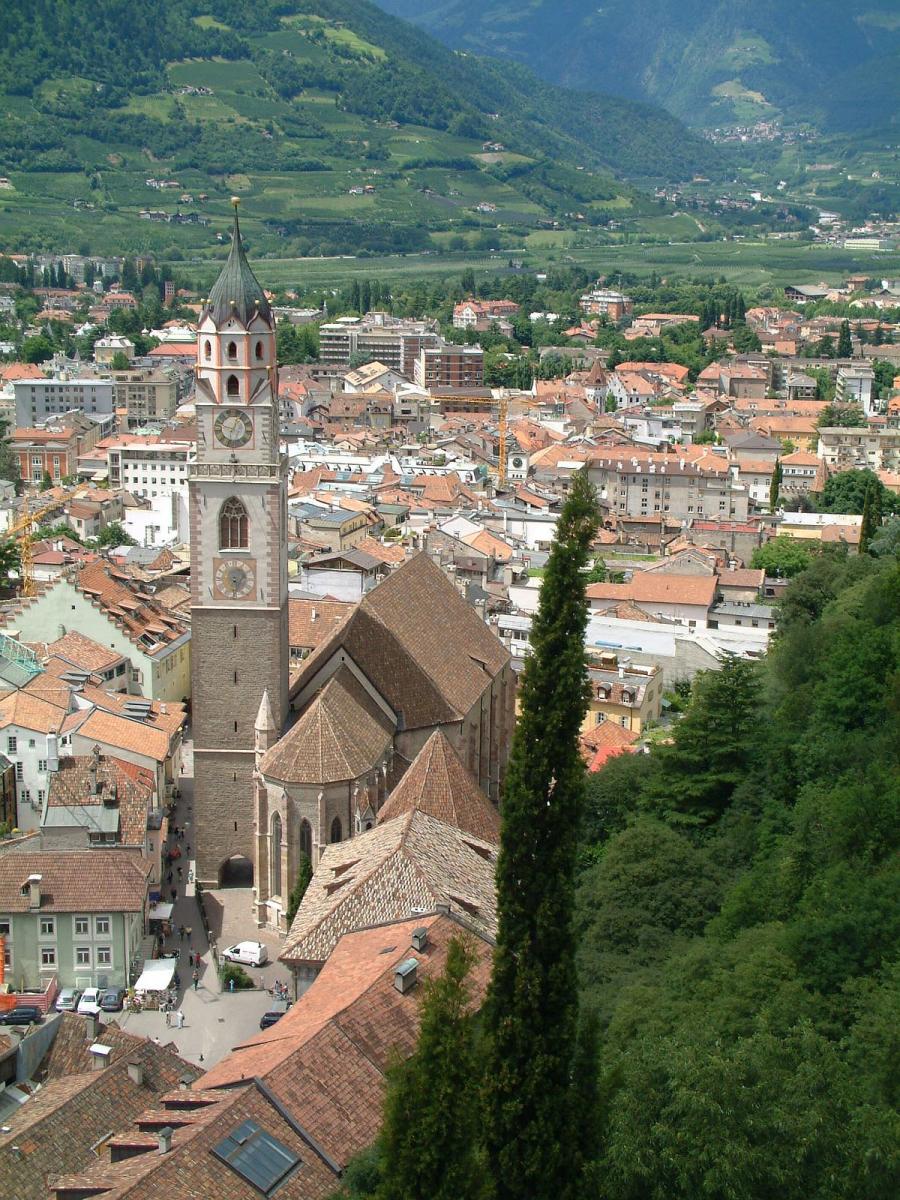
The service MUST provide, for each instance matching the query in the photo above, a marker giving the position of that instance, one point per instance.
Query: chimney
(136, 1071)
(165, 1139)
(621, 670)
(99, 1054)
(405, 975)
(93, 771)
(34, 891)
(419, 938)
(52, 752)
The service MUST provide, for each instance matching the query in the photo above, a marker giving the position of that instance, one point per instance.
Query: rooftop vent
(405, 975)
(136, 1071)
(165, 1139)
(419, 938)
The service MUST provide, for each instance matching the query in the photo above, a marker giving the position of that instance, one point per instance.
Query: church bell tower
(238, 521)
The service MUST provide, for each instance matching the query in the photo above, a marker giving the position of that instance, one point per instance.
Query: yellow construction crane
(22, 531)
(461, 404)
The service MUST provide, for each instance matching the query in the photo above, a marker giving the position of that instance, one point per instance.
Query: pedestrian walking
(196, 978)
(169, 877)
(187, 850)
(174, 894)
(179, 1020)
(181, 932)
(179, 872)
(189, 931)
(168, 1019)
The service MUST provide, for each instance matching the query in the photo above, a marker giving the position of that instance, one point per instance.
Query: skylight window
(257, 1157)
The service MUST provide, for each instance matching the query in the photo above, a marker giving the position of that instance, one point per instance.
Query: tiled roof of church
(413, 862)
(341, 735)
(237, 291)
(420, 644)
(437, 783)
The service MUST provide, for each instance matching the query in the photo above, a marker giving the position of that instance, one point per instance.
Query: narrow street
(214, 1021)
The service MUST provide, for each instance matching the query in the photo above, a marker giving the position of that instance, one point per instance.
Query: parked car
(112, 999)
(89, 1004)
(24, 1014)
(248, 954)
(67, 1000)
(274, 1013)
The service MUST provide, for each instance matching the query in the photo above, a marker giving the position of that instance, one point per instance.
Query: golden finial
(235, 201)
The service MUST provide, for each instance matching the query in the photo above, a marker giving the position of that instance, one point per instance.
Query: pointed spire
(237, 292)
(265, 718)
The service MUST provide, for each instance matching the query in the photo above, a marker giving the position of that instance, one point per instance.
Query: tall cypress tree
(844, 346)
(532, 1009)
(775, 485)
(430, 1136)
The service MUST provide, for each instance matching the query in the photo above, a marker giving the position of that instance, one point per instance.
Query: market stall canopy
(159, 912)
(157, 975)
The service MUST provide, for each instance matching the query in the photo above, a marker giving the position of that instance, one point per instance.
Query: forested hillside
(739, 918)
(833, 62)
(299, 102)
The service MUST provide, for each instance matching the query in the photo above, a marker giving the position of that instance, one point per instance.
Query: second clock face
(233, 428)
(235, 578)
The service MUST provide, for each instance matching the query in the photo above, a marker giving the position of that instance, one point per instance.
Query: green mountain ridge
(832, 63)
(345, 128)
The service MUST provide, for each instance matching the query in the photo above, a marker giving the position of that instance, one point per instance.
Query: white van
(248, 954)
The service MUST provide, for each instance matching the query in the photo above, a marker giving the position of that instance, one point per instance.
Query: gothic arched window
(335, 830)
(259, 350)
(275, 857)
(234, 529)
(306, 839)
(232, 350)
(207, 349)
(232, 387)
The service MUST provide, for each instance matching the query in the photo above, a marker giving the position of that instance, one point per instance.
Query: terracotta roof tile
(84, 652)
(74, 880)
(658, 587)
(72, 786)
(310, 622)
(341, 735)
(411, 862)
(31, 712)
(437, 783)
(121, 733)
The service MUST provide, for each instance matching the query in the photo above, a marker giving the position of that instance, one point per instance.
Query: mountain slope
(833, 62)
(347, 128)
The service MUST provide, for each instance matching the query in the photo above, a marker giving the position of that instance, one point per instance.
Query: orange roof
(801, 458)
(672, 370)
(658, 587)
(10, 372)
(121, 733)
(174, 350)
(30, 712)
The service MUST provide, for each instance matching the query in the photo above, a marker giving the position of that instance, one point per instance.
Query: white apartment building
(151, 467)
(853, 385)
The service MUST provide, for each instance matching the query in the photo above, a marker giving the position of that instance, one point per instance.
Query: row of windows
(231, 351)
(85, 956)
(81, 926)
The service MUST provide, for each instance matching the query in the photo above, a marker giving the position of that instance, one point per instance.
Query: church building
(286, 766)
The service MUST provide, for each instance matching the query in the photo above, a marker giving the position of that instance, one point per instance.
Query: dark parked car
(274, 1013)
(112, 999)
(25, 1014)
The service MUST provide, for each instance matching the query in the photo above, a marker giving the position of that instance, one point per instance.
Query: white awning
(156, 975)
(159, 912)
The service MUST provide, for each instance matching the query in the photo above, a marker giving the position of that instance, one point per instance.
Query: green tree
(120, 361)
(782, 557)
(844, 345)
(871, 518)
(46, 481)
(887, 539)
(9, 560)
(846, 493)
(114, 534)
(531, 1015)
(711, 748)
(304, 875)
(775, 485)
(430, 1134)
(37, 349)
(843, 416)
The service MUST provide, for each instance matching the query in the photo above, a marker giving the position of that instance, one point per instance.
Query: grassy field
(777, 264)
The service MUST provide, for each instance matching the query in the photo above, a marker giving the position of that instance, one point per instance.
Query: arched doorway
(275, 857)
(236, 871)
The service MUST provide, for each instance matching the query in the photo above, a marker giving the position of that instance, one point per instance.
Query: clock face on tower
(233, 428)
(235, 579)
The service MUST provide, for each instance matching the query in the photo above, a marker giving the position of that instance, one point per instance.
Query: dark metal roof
(237, 291)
